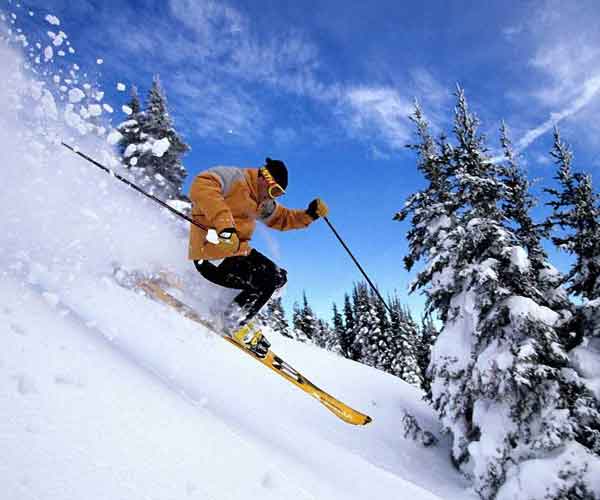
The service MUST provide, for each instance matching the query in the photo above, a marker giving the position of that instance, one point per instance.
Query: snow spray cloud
(59, 215)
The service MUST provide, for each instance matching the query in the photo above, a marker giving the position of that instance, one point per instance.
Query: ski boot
(253, 339)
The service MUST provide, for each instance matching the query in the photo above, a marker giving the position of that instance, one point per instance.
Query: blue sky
(327, 87)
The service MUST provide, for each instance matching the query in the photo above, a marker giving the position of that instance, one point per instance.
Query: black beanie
(278, 171)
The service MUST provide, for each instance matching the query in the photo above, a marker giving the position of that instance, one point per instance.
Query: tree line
(363, 330)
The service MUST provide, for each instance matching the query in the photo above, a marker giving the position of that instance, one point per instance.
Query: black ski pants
(254, 274)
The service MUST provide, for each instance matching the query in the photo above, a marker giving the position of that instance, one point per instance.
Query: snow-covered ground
(106, 394)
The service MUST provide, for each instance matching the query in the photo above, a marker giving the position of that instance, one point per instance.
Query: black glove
(317, 208)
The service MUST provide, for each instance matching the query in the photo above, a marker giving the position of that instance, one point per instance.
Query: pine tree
(498, 355)
(576, 210)
(338, 322)
(427, 337)
(305, 322)
(349, 333)
(324, 336)
(368, 334)
(433, 211)
(135, 104)
(337, 332)
(130, 130)
(518, 202)
(151, 146)
(297, 323)
(402, 345)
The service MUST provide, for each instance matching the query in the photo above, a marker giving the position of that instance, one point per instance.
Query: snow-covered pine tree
(498, 380)
(130, 131)
(368, 338)
(387, 348)
(432, 211)
(517, 204)
(152, 147)
(324, 337)
(338, 329)
(427, 336)
(305, 322)
(349, 332)
(402, 343)
(576, 211)
(296, 323)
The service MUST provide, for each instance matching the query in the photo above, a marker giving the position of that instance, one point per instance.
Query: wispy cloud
(590, 90)
(562, 40)
(380, 111)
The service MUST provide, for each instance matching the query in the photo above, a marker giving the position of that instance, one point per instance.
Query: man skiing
(229, 200)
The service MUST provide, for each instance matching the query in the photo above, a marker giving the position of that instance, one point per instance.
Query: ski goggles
(273, 187)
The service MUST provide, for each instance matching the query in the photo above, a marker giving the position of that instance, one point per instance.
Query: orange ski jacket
(227, 197)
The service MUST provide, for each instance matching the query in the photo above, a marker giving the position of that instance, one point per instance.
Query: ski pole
(357, 264)
(132, 185)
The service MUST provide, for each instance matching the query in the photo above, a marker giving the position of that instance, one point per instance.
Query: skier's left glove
(317, 208)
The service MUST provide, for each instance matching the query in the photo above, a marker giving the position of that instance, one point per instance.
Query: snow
(52, 20)
(519, 258)
(108, 413)
(179, 205)
(48, 53)
(114, 137)
(523, 306)
(74, 120)
(94, 110)
(59, 39)
(585, 358)
(160, 147)
(546, 472)
(127, 110)
(48, 105)
(130, 150)
(99, 61)
(76, 95)
(121, 87)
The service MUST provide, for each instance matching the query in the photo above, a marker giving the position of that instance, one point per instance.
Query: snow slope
(110, 395)
(105, 394)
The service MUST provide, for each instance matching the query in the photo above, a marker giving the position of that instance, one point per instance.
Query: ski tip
(367, 420)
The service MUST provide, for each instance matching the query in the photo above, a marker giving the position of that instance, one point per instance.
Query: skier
(229, 200)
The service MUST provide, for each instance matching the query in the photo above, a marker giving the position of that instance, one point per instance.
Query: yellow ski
(271, 360)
